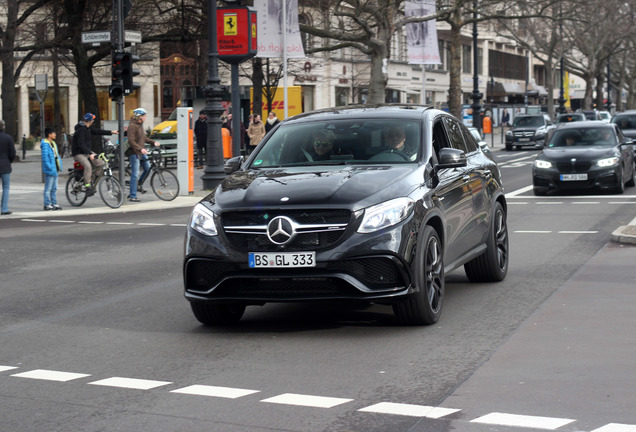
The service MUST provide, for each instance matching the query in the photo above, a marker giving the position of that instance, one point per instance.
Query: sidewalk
(27, 189)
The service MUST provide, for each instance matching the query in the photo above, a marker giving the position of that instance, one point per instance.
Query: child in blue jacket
(51, 165)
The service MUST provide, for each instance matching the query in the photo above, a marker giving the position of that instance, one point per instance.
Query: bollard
(23, 147)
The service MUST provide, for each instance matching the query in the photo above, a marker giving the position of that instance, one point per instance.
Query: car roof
(396, 111)
(587, 124)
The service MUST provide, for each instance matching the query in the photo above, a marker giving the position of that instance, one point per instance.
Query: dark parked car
(585, 156)
(369, 203)
(528, 130)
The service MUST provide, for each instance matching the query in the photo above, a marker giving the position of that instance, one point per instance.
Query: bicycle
(110, 189)
(164, 183)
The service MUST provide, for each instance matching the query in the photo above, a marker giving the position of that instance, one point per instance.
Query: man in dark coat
(7, 155)
(201, 133)
(82, 151)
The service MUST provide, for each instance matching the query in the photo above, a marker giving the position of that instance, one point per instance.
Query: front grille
(576, 167)
(247, 231)
(524, 134)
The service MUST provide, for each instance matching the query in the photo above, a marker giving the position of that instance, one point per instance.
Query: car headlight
(386, 214)
(166, 129)
(608, 162)
(202, 220)
(541, 164)
(509, 133)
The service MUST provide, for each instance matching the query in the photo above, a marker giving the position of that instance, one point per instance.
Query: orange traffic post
(487, 125)
(227, 143)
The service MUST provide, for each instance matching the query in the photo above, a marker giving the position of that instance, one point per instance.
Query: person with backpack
(82, 152)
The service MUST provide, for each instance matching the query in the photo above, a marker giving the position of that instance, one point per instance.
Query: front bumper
(372, 267)
(598, 178)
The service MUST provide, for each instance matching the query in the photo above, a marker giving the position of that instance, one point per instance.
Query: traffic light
(128, 72)
(116, 88)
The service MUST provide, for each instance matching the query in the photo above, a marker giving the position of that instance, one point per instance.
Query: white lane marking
(49, 375)
(179, 225)
(306, 400)
(517, 203)
(60, 221)
(132, 383)
(585, 202)
(502, 419)
(523, 158)
(518, 191)
(33, 220)
(622, 202)
(120, 223)
(577, 232)
(222, 392)
(150, 224)
(531, 232)
(7, 368)
(549, 202)
(616, 427)
(90, 222)
(409, 410)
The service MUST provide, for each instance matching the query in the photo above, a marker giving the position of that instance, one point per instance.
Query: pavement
(27, 188)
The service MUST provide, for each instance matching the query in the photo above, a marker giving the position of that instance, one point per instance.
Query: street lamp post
(214, 170)
(609, 86)
(562, 89)
(476, 96)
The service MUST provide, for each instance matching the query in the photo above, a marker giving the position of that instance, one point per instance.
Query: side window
(469, 139)
(455, 136)
(439, 138)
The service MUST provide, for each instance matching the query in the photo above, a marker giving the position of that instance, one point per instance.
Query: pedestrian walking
(201, 133)
(138, 155)
(272, 121)
(7, 155)
(51, 166)
(256, 131)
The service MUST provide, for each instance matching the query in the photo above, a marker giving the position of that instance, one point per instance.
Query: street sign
(132, 36)
(95, 36)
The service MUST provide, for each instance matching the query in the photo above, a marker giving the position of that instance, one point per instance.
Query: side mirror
(628, 141)
(232, 165)
(451, 158)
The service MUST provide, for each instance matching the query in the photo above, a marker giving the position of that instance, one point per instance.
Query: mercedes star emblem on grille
(280, 230)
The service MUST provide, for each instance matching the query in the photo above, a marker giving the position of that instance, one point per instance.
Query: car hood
(526, 129)
(353, 187)
(581, 154)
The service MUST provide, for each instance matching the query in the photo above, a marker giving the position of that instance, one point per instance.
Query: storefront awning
(507, 89)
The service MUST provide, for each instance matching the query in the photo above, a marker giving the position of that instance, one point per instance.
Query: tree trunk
(257, 80)
(9, 106)
(455, 67)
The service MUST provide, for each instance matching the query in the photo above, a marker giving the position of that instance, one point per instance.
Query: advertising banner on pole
(271, 29)
(421, 37)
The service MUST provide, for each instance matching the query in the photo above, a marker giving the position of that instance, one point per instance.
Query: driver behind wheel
(322, 145)
(395, 140)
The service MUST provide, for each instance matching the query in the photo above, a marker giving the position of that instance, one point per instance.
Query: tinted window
(455, 135)
(584, 137)
(534, 121)
(625, 121)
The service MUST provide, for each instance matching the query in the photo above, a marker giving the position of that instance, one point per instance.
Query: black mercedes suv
(368, 203)
(528, 130)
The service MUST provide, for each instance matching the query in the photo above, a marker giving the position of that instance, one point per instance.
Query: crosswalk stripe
(49, 375)
(131, 383)
(409, 410)
(214, 391)
(503, 419)
(306, 400)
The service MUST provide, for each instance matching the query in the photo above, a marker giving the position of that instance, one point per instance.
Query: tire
(425, 305)
(164, 184)
(75, 192)
(492, 265)
(508, 147)
(111, 192)
(217, 314)
(620, 187)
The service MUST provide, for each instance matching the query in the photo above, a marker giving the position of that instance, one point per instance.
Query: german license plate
(573, 177)
(524, 139)
(282, 259)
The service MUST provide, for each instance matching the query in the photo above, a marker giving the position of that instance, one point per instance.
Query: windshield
(534, 121)
(569, 118)
(584, 137)
(341, 142)
(625, 121)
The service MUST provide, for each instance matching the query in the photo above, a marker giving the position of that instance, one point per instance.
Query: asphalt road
(96, 335)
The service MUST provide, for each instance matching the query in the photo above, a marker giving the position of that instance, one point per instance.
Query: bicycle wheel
(164, 184)
(75, 192)
(110, 191)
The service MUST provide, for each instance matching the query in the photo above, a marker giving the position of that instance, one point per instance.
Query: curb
(625, 234)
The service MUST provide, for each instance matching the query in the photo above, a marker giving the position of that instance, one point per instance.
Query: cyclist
(82, 152)
(137, 150)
